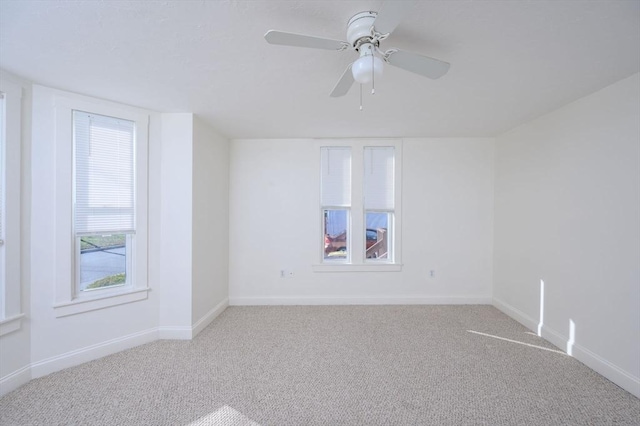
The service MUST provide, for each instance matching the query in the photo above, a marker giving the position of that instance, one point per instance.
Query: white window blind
(336, 176)
(104, 174)
(379, 169)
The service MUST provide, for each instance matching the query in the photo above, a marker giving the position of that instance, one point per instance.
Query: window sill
(363, 267)
(9, 325)
(79, 306)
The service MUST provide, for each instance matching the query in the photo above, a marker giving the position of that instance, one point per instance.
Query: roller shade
(379, 170)
(104, 174)
(335, 176)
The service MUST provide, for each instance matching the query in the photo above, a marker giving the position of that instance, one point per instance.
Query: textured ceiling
(511, 61)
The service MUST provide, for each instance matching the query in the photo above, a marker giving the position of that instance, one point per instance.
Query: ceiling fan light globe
(362, 69)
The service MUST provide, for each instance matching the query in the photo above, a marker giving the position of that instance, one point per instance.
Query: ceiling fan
(365, 31)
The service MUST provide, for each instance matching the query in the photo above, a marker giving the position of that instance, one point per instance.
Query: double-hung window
(359, 205)
(104, 200)
(379, 202)
(101, 203)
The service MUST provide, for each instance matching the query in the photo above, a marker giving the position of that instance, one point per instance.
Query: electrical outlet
(286, 273)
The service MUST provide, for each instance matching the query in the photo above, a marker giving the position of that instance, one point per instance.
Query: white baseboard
(175, 333)
(612, 372)
(203, 322)
(517, 315)
(19, 377)
(89, 353)
(189, 332)
(548, 334)
(13, 381)
(617, 375)
(375, 300)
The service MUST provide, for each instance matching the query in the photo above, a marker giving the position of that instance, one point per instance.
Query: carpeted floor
(333, 365)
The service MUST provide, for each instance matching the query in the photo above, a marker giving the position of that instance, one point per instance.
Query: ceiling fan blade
(299, 40)
(344, 84)
(391, 14)
(422, 65)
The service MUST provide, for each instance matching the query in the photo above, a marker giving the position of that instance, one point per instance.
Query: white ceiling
(511, 61)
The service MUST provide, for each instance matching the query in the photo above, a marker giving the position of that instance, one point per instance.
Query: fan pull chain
(361, 97)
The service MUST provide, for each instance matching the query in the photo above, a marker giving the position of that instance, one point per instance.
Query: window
(101, 203)
(10, 210)
(104, 208)
(335, 201)
(359, 205)
(379, 201)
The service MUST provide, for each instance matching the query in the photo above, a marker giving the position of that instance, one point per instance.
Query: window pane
(378, 236)
(335, 234)
(103, 261)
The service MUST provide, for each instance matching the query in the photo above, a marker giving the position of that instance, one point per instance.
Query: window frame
(347, 258)
(336, 207)
(356, 261)
(11, 313)
(130, 276)
(129, 237)
(390, 212)
(68, 299)
(390, 233)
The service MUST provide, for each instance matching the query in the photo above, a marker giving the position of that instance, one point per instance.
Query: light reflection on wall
(572, 337)
(541, 323)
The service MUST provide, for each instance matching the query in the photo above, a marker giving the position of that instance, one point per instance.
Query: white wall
(567, 204)
(60, 342)
(567, 211)
(447, 226)
(176, 214)
(15, 347)
(210, 244)
(188, 200)
(194, 238)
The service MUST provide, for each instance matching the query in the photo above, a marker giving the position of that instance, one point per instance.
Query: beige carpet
(338, 365)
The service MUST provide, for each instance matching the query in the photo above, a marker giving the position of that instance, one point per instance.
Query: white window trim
(356, 261)
(13, 323)
(11, 314)
(68, 301)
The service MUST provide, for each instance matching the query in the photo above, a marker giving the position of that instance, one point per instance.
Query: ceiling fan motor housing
(359, 28)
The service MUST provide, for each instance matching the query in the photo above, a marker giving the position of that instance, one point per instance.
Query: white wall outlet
(286, 273)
